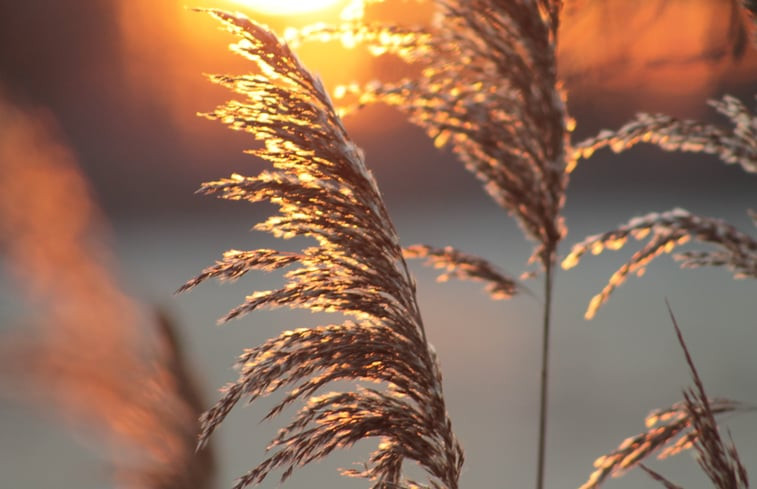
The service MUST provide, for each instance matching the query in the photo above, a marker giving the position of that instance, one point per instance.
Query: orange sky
(666, 53)
(669, 52)
(125, 82)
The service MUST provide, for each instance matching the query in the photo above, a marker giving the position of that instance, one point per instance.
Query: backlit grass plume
(734, 145)
(669, 431)
(687, 424)
(718, 459)
(666, 231)
(325, 192)
(487, 85)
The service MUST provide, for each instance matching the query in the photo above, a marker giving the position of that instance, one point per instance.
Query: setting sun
(287, 7)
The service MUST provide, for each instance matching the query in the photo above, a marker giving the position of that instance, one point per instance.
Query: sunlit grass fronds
(685, 424)
(487, 86)
(466, 267)
(325, 192)
(311, 358)
(91, 354)
(669, 431)
(720, 461)
(734, 145)
(666, 231)
(235, 264)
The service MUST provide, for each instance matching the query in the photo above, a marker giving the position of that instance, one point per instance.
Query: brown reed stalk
(325, 192)
(90, 355)
(669, 432)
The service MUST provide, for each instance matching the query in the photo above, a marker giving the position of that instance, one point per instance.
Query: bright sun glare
(287, 7)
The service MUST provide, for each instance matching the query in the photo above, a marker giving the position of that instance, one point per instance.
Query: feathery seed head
(324, 191)
(488, 88)
(668, 230)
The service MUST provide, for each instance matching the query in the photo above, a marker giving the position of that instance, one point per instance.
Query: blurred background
(109, 90)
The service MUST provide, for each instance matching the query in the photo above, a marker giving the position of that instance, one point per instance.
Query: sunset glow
(287, 7)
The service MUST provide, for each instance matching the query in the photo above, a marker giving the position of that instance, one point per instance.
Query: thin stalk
(544, 371)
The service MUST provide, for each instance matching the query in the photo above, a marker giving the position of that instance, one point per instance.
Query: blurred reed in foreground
(88, 354)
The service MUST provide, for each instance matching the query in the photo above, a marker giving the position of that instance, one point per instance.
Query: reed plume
(666, 231)
(90, 355)
(464, 266)
(719, 460)
(325, 192)
(733, 145)
(687, 424)
(488, 87)
(669, 432)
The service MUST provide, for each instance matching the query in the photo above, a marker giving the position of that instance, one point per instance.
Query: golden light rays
(288, 7)
(161, 34)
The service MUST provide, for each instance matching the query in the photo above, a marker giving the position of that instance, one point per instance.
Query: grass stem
(544, 371)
